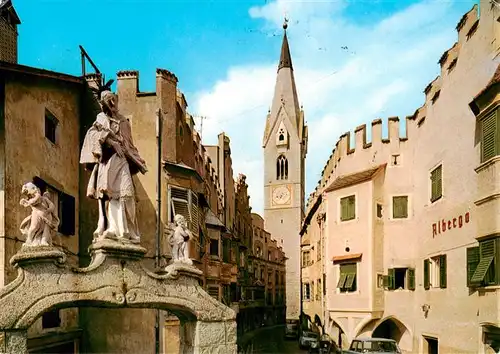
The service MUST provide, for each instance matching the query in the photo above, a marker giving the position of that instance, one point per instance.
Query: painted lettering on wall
(443, 225)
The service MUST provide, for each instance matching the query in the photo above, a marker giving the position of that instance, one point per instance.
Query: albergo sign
(443, 225)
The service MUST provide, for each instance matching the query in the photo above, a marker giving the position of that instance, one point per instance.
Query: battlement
(165, 74)
(343, 148)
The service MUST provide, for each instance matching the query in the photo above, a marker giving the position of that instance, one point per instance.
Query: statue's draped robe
(111, 177)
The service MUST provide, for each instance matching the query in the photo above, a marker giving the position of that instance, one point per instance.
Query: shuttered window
(436, 183)
(442, 271)
(490, 136)
(179, 203)
(427, 282)
(348, 208)
(390, 279)
(194, 212)
(472, 263)
(484, 274)
(400, 207)
(213, 292)
(411, 278)
(347, 280)
(185, 203)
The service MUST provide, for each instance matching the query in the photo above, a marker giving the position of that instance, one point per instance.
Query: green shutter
(386, 281)
(489, 136)
(343, 209)
(400, 207)
(411, 278)
(427, 283)
(436, 183)
(352, 207)
(472, 263)
(442, 271)
(390, 274)
(487, 255)
(342, 279)
(350, 281)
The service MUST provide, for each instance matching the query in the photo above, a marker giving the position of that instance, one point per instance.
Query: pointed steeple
(285, 104)
(285, 58)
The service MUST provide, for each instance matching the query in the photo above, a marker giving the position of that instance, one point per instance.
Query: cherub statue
(43, 221)
(178, 238)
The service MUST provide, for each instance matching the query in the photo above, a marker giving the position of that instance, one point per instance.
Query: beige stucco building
(410, 224)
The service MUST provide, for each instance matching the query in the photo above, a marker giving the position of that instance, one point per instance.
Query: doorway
(431, 345)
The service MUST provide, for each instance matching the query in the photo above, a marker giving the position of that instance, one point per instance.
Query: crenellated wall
(444, 132)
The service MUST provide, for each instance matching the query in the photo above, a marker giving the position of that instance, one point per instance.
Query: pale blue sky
(225, 55)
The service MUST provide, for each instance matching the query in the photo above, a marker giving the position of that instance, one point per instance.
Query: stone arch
(392, 328)
(365, 327)
(338, 334)
(116, 278)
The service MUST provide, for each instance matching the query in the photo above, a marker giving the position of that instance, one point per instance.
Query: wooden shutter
(400, 207)
(194, 213)
(487, 255)
(427, 283)
(472, 263)
(180, 203)
(411, 278)
(386, 281)
(342, 279)
(343, 209)
(489, 136)
(442, 271)
(436, 183)
(352, 207)
(390, 275)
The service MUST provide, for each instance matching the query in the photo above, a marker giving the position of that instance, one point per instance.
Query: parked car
(373, 345)
(292, 329)
(308, 338)
(325, 345)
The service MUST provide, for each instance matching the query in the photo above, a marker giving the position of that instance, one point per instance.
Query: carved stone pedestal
(116, 278)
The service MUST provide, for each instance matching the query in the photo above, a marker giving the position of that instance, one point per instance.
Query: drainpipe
(158, 218)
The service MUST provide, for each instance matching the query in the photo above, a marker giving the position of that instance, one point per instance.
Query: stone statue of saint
(43, 221)
(178, 239)
(108, 150)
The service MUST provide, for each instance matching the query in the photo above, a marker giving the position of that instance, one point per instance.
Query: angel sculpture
(43, 221)
(178, 237)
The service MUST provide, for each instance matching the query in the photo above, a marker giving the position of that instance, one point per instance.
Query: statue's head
(180, 220)
(109, 102)
(30, 189)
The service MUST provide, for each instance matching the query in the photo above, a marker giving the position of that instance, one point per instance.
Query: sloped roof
(6, 6)
(354, 178)
(212, 219)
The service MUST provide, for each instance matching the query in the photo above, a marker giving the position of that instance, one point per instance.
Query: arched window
(281, 167)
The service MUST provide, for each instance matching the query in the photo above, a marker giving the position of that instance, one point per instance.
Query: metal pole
(159, 125)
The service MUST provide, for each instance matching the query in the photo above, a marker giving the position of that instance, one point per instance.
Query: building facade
(43, 120)
(285, 149)
(410, 222)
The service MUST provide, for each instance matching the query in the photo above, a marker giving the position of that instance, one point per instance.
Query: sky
(354, 61)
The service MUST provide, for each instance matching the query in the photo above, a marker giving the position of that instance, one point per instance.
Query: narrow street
(272, 341)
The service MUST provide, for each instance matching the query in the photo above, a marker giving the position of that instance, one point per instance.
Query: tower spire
(285, 58)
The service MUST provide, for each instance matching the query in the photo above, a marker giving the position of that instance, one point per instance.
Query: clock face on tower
(281, 195)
